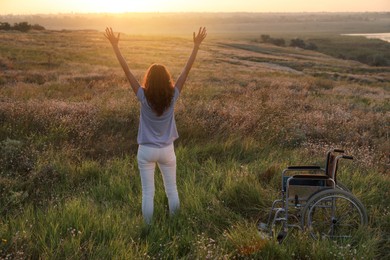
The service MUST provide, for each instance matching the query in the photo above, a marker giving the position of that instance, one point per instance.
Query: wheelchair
(314, 201)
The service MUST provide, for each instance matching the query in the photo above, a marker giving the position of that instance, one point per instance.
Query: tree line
(293, 42)
(22, 26)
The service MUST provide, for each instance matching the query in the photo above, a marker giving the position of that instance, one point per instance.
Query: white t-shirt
(156, 131)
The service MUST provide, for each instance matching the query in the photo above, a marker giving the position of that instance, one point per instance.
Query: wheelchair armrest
(311, 176)
(307, 167)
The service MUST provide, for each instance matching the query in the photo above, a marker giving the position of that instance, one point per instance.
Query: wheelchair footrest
(262, 227)
(263, 231)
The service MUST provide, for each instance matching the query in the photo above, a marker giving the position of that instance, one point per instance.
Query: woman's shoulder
(176, 93)
(141, 94)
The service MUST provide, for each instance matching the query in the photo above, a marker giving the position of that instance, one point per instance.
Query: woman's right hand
(111, 37)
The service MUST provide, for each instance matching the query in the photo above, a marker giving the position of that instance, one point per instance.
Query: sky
(120, 6)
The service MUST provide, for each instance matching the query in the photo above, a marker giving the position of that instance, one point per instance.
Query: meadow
(69, 182)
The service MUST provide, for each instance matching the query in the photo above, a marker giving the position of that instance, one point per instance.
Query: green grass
(69, 180)
(369, 51)
(373, 52)
(97, 214)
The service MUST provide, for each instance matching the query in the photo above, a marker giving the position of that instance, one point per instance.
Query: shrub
(302, 44)
(5, 26)
(14, 160)
(267, 39)
(23, 27)
(37, 27)
(278, 42)
(379, 60)
(44, 184)
(311, 46)
(298, 43)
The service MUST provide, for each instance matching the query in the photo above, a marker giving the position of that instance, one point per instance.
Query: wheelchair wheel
(341, 186)
(334, 214)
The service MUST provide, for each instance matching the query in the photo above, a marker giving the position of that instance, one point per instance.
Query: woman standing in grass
(157, 128)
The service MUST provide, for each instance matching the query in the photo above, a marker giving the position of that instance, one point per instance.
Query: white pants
(166, 160)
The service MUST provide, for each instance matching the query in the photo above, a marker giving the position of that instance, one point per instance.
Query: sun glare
(120, 6)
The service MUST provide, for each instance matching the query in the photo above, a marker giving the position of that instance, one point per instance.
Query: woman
(157, 128)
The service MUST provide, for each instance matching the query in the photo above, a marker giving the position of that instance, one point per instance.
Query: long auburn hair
(158, 86)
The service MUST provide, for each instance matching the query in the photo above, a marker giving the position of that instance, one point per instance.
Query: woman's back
(154, 130)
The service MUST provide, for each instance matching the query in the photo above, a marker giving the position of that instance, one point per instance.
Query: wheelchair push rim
(334, 214)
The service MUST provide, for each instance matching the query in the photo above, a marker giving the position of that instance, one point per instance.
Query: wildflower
(4, 240)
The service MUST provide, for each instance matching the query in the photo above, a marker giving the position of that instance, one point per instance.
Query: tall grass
(69, 180)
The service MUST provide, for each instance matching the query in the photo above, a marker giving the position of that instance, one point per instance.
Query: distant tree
(23, 27)
(298, 43)
(37, 27)
(278, 41)
(265, 38)
(363, 58)
(294, 42)
(379, 60)
(311, 46)
(341, 56)
(5, 26)
(268, 39)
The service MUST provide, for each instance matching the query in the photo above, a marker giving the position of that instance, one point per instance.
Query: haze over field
(235, 24)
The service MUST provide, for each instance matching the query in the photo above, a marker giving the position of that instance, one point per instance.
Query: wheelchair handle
(347, 157)
(338, 151)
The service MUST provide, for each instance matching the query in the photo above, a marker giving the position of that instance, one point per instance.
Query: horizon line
(197, 12)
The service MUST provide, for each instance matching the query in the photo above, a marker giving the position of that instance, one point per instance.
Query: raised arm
(198, 38)
(114, 40)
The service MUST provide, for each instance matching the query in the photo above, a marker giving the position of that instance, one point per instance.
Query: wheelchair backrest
(332, 163)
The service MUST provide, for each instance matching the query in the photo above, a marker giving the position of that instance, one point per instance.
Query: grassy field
(69, 183)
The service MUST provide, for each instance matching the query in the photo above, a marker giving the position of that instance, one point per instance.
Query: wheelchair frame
(315, 202)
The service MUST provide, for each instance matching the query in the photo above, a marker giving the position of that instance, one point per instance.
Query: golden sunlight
(112, 6)
(86, 6)
(120, 6)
